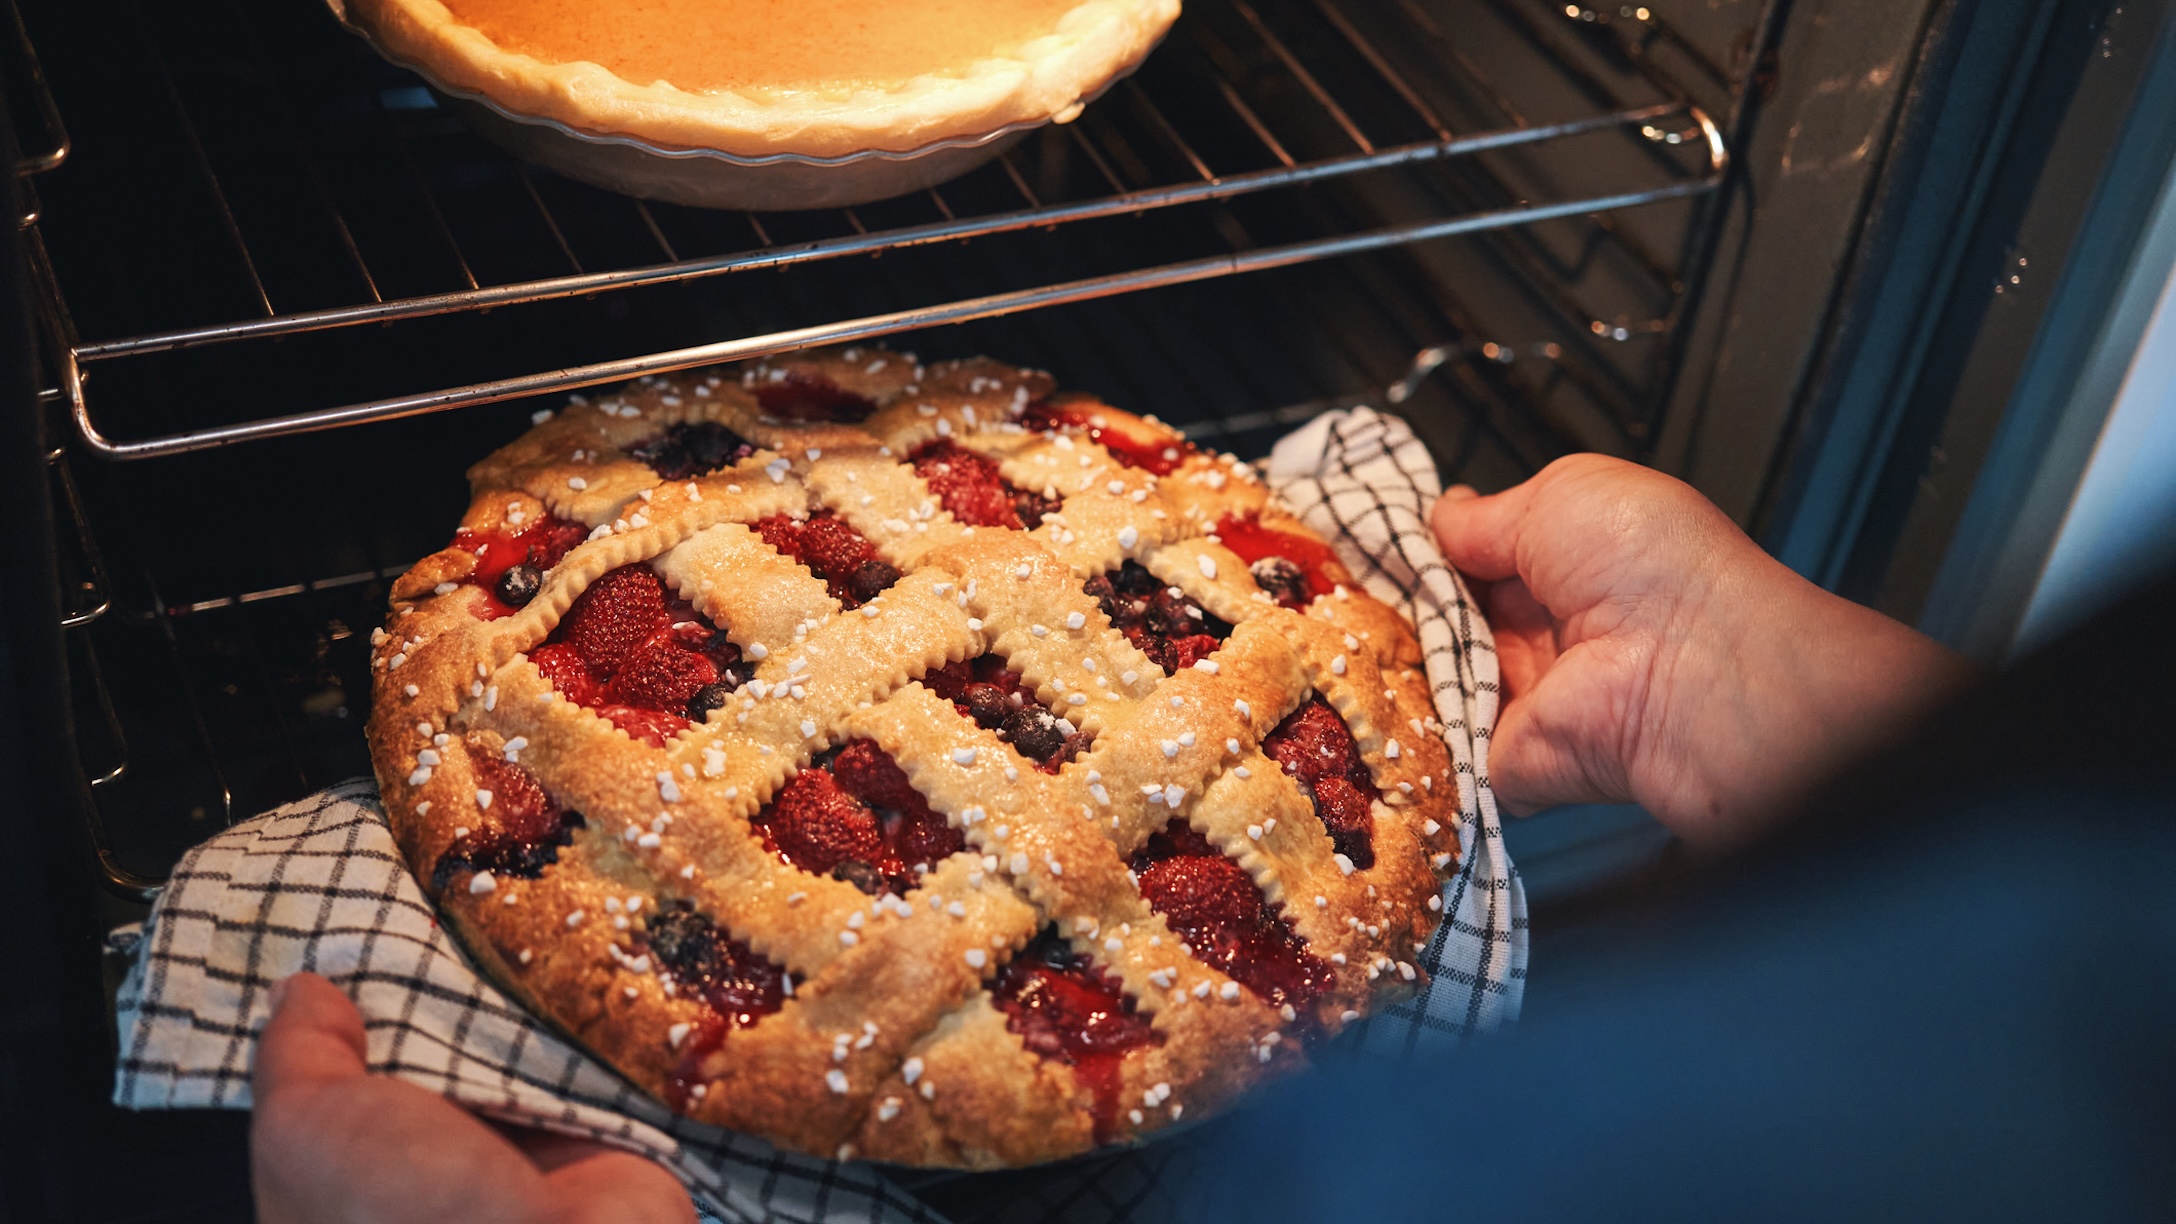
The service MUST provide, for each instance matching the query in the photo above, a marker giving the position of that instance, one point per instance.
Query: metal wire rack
(1486, 213)
(1235, 50)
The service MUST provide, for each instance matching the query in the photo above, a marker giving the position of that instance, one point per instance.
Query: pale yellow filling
(761, 45)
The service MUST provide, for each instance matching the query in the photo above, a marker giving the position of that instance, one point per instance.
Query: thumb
(315, 1036)
(1480, 535)
(1556, 745)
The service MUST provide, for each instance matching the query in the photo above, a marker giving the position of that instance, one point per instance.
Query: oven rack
(1261, 63)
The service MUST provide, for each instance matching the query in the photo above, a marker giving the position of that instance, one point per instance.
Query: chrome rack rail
(870, 327)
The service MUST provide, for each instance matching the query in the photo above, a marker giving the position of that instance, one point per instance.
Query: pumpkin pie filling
(765, 46)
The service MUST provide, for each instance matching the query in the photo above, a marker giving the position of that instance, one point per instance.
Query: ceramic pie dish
(909, 762)
(762, 103)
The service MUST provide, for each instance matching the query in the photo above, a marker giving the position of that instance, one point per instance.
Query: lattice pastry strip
(929, 786)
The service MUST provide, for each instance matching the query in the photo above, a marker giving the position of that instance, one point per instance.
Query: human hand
(330, 1142)
(1652, 653)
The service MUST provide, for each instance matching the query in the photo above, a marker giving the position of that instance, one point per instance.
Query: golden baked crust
(1044, 77)
(890, 1045)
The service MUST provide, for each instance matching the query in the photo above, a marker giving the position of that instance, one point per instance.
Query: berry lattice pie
(908, 762)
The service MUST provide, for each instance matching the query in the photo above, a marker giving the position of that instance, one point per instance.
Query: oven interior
(260, 220)
(286, 297)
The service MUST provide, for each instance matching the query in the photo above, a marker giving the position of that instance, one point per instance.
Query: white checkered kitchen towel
(319, 886)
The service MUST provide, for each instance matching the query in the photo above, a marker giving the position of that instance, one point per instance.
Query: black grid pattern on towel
(1361, 480)
(319, 886)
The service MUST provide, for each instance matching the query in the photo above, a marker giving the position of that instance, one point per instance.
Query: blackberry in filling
(795, 395)
(987, 691)
(641, 657)
(701, 959)
(1161, 621)
(519, 834)
(1316, 747)
(1152, 448)
(970, 488)
(1063, 1007)
(737, 984)
(695, 448)
(1292, 569)
(833, 551)
(510, 565)
(855, 818)
(1224, 919)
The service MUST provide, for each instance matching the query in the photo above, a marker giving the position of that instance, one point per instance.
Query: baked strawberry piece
(1063, 1007)
(692, 448)
(1317, 749)
(511, 564)
(970, 488)
(856, 818)
(1225, 920)
(992, 694)
(517, 831)
(1293, 569)
(1136, 443)
(641, 657)
(797, 395)
(1161, 621)
(833, 551)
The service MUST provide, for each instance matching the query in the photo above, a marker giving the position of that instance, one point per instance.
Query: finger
(1551, 746)
(611, 1185)
(315, 1036)
(1530, 770)
(1524, 632)
(1480, 535)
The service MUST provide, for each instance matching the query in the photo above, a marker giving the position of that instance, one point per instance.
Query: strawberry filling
(644, 659)
(985, 690)
(692, 448)
(1224, 919)
(796, 395)
(510, 565)
(1291, 568)
(857, 819)
(1065, 1008)
(1151, 448)
(1161, 621)
(970, 488)
(737, 984)
(1317, 749)
(518, 834)
(833, 551)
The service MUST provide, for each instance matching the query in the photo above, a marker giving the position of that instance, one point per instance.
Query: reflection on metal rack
(31, 161)
(1268, 66)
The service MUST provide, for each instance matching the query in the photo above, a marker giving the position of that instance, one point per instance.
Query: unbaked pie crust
(889, 1044)
(903, 76)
